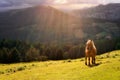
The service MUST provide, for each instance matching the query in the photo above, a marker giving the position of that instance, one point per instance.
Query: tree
(32, 54)
(15, 55)
(59, 53)
(5, 55)
(66, 55)
(117, 46)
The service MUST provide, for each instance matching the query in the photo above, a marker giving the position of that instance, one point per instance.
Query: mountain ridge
(47, 24)
(108, 12)
(45, 18)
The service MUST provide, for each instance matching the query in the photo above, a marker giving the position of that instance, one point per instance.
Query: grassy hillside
(107, 68)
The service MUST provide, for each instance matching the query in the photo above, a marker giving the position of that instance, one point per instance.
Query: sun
(60, 1)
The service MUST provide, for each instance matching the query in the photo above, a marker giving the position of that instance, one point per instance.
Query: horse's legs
(85, 60)
(89, 61)
(93, 60)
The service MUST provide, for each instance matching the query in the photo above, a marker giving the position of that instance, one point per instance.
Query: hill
(104, 18)
(46, 24)
(107, 12)
(108, 68)
(40, 23)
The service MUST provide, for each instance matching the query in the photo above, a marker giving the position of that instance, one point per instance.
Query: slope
(108, 68)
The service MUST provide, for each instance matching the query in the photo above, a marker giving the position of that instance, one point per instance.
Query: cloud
(110, 1)
(4, 3)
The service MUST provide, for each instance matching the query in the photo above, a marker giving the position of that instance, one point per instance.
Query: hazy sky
(82, 1)
(79, 4)
(62, 4)
(60, 1)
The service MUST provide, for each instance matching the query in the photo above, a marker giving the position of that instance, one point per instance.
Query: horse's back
(90, 54)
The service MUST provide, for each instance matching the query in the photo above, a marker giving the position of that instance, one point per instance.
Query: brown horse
(90, 52)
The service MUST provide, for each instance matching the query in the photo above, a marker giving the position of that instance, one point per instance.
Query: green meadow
(107, 68)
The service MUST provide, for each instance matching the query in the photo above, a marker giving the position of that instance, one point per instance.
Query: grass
(108, 69)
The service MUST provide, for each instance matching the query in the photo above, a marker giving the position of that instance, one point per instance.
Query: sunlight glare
(60, 1)
(74, 6)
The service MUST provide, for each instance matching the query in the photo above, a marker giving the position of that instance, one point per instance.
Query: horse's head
(89, 45)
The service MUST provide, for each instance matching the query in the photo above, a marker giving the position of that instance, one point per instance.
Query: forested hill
(107, 12)
(40, 23)
(47, 24)
(106, 19)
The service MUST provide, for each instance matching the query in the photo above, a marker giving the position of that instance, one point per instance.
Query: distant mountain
(41, 23)
(103, 20)
(107, 12)
(46, 24)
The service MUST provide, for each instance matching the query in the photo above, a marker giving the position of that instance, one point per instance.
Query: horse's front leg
(94, 60)
(85, 60)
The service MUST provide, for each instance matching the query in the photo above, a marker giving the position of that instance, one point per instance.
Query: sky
(61, 4)
(79, 4)
(79, 1)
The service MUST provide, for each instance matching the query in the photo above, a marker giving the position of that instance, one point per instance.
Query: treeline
(12, 51)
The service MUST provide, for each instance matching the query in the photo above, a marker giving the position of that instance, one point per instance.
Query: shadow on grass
(94, 65)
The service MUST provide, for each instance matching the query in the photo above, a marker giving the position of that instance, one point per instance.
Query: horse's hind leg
(85, 60)
(89, 61)
(93, 60)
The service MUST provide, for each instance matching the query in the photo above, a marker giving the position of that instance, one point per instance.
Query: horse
(90, 52)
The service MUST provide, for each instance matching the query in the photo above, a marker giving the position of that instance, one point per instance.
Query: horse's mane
(93, 45)
(91, 41)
